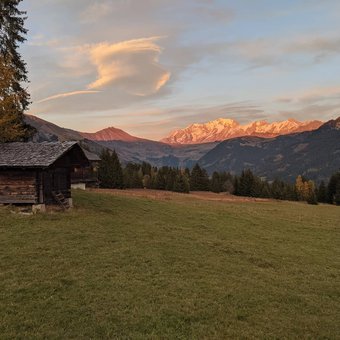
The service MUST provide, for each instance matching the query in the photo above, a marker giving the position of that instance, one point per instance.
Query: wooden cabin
(86, 177)
(39, 173)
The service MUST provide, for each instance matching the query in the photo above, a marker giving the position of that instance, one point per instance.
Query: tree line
(137, 176)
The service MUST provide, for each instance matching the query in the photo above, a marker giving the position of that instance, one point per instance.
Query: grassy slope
(138, 268)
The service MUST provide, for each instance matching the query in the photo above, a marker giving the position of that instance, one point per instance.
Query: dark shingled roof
(32, 155)
(91, 156)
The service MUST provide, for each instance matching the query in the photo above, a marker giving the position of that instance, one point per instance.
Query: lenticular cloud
(131, 65)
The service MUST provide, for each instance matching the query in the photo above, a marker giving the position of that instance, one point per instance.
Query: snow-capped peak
(222, 129)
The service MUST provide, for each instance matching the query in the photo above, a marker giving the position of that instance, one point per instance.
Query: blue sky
(151, 66)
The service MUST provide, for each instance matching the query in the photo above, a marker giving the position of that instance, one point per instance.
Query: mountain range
(222, 129)
(314, 153)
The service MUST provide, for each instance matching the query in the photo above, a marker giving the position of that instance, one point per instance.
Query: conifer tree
(181, 183)
(110, 172)
(199, 180)
(14, 98)
(337, 194)
(216, 185)
(236, 184)
(277, 190)
(117, 170)
(246, 183)
(160, 180)
(322, 193)
(332, 187)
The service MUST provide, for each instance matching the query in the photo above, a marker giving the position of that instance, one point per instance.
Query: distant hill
(111, 133)
(50, 132)
(314, 154)
(223, 129)
(159, 154)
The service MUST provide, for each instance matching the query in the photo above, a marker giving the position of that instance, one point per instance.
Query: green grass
(120, 267)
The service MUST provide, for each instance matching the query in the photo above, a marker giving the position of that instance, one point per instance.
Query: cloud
(131, 65)
(65, 95)
(312, 96)
(269, 52)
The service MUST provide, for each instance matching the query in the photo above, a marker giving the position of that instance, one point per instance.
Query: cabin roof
(32, 155)
(91, 156)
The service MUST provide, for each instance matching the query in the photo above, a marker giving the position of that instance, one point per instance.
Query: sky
(152, 66)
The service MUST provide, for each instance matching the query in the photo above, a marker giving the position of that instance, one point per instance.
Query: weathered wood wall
(18, 187)
(56, 180)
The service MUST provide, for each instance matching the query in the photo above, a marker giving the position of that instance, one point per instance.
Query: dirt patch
(168, 195)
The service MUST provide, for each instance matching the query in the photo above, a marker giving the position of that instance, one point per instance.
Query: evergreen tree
(181, 183)
(110, 172)
(246, 183)
(322, 193)
(118, 172)
(105, 170)
(290, 192)
(277, 190)
(337, 194)
(14, 99)
(216, 185)
(332, 185)
(171, 175)
(265, 190)
(199, 180)
(146, 168)
(236, 184)
(133, 176)
(228, 186)
(160, 180)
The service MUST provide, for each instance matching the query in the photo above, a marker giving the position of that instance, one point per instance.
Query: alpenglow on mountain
(222, 129)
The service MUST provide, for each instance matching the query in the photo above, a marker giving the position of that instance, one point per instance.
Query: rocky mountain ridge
(222, 129)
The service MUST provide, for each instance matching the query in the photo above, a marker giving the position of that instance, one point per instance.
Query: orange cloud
(132, 65)
(67, 94)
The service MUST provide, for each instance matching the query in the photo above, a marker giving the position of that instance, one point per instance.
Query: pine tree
(110, 172)
(160, 180)
(322, 193)
(331, 188)
(14, 99)
(105, 170)
(337, 194)
(171, 175)
(181, 183)
(246, 183)
(236, 184)
(216, 185)
(117, 171)
(199, 180)
(277, 190)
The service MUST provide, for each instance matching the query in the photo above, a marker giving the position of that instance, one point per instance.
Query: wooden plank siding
(18, 187)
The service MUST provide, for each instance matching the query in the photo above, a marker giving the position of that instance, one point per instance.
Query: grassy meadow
(139, 268)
